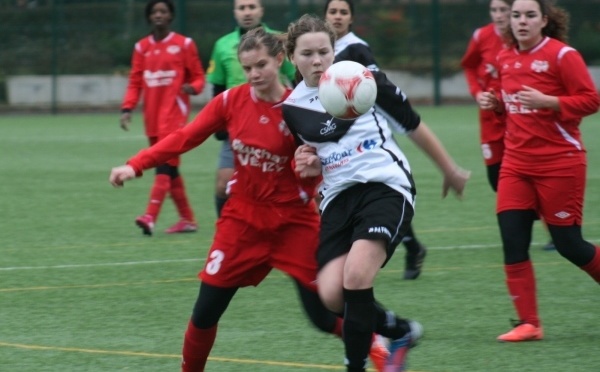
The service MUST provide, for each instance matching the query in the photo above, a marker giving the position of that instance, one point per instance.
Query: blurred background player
(224, 72)
(478, 64)
(546, 90)
(165, 69)
(349, 47)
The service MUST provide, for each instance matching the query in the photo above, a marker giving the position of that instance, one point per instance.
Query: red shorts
(492, 152)
(252, 239)
(175, 162)
(557, 196)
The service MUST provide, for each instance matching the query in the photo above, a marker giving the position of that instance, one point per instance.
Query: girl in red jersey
(166, 69)
(479, 66)
(546, 90)
(270, 219)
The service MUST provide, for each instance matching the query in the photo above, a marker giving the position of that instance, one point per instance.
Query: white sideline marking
(98, 264)
(14, 268)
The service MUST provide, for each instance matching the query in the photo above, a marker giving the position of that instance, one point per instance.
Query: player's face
(160, 16)
(500, 13)
(247, 13)
(261, 69)
(312, 56)
(527, 22)
(339, 17)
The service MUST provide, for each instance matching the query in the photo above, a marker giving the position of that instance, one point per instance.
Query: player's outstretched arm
(455, 177)
(119, 175)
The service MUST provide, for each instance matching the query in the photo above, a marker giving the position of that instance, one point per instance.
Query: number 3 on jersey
(214, 265)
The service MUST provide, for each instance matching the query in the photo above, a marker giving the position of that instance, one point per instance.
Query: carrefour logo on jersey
(340, 158)
(159, 78)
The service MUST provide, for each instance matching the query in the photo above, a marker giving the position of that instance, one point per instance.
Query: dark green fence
(55, 37)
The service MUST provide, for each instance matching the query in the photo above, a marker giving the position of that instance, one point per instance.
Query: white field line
(127, 263)
(154, 262)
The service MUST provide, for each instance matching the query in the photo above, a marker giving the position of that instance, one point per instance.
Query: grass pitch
(82, 290)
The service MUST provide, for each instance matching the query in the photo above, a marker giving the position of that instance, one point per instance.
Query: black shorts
(372, 211)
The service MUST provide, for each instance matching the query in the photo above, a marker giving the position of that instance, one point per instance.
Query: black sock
(388, 324)
(410, 241)
(359, 324)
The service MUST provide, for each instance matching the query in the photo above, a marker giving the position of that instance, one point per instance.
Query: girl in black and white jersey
(368, 191)
(349, 47)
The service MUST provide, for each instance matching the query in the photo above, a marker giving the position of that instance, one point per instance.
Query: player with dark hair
(545, 91)
(479, 65)
(165, 69)
(349, 47)
(367, 196)
(271, 219)
(224, 72)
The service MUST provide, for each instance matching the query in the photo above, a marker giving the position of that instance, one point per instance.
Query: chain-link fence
(79, 37)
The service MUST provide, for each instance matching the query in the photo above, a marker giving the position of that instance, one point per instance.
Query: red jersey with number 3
(158, 70)
(545, 138)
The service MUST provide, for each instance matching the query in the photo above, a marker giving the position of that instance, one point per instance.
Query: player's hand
(532, 98)
(125, 120)
(456, 180)
(188, 89)
(488, 100)
(119, 175)
(307, 161)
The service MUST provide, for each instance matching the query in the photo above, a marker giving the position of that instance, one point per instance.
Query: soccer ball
(347, 90)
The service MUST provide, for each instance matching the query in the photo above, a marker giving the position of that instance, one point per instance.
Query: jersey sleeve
(194, 69)
(582, 97)
(395, 105)
(135, 84)
(211, 119)
(470, 64)
(216, 69)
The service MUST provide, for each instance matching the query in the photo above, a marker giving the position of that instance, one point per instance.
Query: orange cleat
(379, 352)
(522, 332)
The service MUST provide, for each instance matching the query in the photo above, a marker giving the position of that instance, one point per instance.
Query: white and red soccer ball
(347, 90)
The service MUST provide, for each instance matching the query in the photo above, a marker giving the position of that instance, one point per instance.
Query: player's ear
(280, 57)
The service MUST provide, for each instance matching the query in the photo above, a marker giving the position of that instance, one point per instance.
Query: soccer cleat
(398, 349)
(182, 226)
(146, 223)
(379, 352)
(414, 263)
(522, 332)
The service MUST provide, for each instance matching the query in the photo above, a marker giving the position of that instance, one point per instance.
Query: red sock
(593, 267)
(160, 188)
(520, 280)
(196, 347)
(180, 199)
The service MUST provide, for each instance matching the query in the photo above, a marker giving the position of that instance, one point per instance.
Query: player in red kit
(165, 69)
(479, 66)
(546, 90)
(270, 219)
